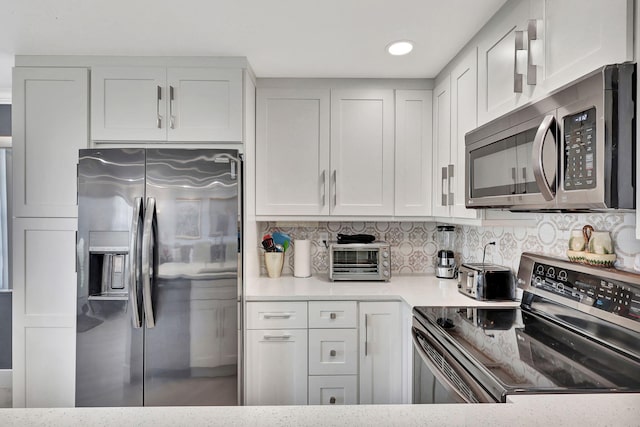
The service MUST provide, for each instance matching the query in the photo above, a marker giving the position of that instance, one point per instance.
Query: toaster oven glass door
(359, 262)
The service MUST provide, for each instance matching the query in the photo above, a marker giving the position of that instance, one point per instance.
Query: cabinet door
(579, 39)
(381, 353)
(276, 367)
(44, 312)
(292, 152)
(362, 146)
(50, 118)
(497, 61)
(464, 110)
(414, 148)
(441, 146)
(205, 104)
(128, 104)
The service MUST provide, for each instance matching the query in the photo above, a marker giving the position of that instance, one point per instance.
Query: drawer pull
(332, 400)
(332, 316)
(276, 337)
(277, 315)
(332, 353)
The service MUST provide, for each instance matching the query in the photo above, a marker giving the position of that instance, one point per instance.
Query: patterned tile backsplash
(414, 244)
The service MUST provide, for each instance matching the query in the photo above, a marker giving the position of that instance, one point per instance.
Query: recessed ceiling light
(401, 47)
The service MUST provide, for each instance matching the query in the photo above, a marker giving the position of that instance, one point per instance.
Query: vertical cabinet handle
(323, 186)
(335, 187)
(532, 34)
(366, 334)
(332, 400)
(449, 180)
(517, 77)
(158, 99)
(513, 178)
(445, 186)
(524, 181)
(171, 116)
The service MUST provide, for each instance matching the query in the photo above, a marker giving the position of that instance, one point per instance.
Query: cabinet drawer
(333, 351)
(333, 314)
(277, 315)
(333, 390)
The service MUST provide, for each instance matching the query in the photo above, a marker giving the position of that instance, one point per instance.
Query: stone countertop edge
(536, 410)
(414, 290)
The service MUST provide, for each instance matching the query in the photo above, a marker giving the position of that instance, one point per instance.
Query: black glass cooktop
(524, 351)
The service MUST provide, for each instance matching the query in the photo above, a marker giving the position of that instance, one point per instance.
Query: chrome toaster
(486, 282)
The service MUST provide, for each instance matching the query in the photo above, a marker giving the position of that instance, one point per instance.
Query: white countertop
(540, 410)
(418, 290)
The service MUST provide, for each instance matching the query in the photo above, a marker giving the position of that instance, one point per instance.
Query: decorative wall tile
(414, 244)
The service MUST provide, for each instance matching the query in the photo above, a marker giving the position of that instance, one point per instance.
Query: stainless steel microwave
(573, 150)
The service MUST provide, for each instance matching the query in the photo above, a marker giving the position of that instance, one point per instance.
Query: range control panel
(580, 150)
(605, 294)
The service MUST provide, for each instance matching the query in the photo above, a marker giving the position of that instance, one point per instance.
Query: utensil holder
(274, 262)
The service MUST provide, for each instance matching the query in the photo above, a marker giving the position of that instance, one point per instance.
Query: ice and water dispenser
(108, 264)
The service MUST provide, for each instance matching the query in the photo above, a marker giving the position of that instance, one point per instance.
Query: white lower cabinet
(380, 326)
(276, 367)
(333, 390)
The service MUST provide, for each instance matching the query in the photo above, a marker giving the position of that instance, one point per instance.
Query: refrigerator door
(109, 360)
(191, 255)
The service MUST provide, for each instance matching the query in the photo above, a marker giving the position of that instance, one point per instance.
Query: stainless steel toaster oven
(360, 261)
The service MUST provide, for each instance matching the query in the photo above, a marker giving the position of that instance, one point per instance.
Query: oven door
(437, 376)
(514, 168)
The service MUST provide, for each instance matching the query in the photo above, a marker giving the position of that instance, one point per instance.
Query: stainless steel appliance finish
(573, 150)
(360, 261)
(577, 330)
(486, 282)
(159, 277)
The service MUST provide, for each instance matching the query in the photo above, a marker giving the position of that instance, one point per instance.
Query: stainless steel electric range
(577, 330)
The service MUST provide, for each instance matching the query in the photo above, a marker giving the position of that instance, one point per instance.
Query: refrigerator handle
(134, 250)
(148, 234)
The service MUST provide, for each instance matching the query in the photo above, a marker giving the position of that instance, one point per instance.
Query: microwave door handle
(545, 127)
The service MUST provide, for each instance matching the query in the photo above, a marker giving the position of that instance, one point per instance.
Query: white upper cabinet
(292, 152)
(464, 117)
(500, 87)
(362, 151)
(50, 125)
(166, 104)
(441, 146)
(576, 38)
(414, 146)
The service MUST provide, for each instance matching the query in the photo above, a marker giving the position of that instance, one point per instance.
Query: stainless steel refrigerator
(159, 277)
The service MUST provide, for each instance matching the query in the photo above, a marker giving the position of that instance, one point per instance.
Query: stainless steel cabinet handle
(366, 333)
(532, 34)
(134, 249)
(147, 260)
(277, 315)
(546, 188)
(332, 400)
(276, 337)
(158, 99)
(445, 185)
(335, 188)
(517, 77)
(332, 353)
(323, 186)
(449, 180)
(514, 188)
(524, 181)
(171, 116)
(332, 316)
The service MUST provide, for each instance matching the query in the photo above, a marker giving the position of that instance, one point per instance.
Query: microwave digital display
(580, 150)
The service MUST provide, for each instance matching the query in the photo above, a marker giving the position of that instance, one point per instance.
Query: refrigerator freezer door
(191, 351)
(109, 362)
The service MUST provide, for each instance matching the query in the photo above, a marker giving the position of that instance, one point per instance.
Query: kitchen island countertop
(541, 410)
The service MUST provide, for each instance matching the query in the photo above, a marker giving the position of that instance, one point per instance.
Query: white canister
(302, 258)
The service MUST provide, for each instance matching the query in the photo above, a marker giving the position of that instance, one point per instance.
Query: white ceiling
(280, 38)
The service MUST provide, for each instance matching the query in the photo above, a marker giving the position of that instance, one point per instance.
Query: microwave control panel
(580, 150)
(601, 293)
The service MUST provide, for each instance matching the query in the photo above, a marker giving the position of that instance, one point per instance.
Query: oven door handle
(476, 389)
(545, 187)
